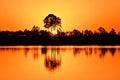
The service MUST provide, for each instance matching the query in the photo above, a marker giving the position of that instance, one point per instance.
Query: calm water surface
(60, 63)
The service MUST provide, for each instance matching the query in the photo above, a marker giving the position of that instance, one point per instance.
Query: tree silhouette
(52, 21)
(44, 37)
(112, 32)
(88, 33)
(35, 29)
(102, 30)
(76, 32)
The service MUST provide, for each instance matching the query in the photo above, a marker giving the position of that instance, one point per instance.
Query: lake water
(60, 63)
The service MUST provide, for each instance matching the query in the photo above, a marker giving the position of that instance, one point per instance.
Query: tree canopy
(51, 20)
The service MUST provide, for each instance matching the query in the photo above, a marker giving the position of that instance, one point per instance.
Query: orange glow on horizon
(75, 14)
(54, 32)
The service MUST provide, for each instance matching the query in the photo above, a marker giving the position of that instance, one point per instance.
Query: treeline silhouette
(75, 37)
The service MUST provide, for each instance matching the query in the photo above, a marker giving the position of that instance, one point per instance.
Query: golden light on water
(64, 62)
(59, 63)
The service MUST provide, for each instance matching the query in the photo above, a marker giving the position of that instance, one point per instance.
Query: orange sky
(79, 14)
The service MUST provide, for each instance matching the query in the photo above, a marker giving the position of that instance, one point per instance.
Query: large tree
(52, 21)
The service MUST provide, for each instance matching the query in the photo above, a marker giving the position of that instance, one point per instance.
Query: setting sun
(54, 32)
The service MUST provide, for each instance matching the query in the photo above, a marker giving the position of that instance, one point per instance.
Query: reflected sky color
(60, 62)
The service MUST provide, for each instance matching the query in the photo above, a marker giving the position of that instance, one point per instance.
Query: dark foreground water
(60, 63)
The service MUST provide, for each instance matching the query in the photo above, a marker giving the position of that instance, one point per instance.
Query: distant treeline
(75, 37)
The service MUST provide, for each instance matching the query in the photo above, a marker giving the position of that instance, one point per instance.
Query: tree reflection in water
(44, 50)
(100, 51)
(52, 54)
(52, 59)
(26, 51)
(35, 53)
